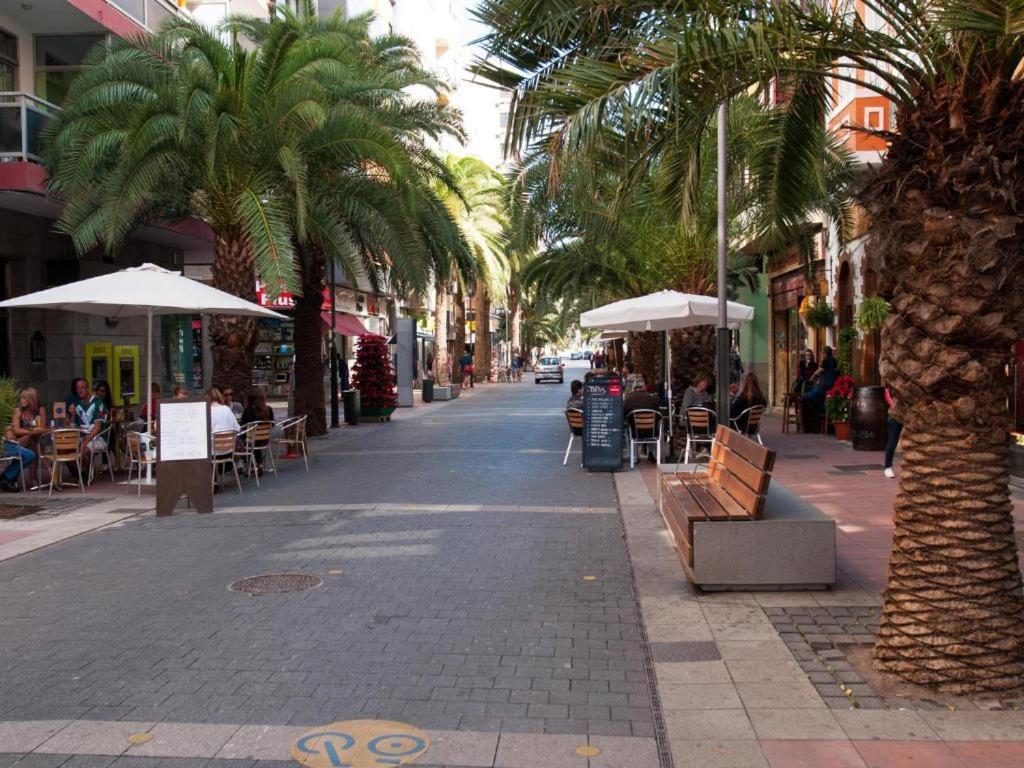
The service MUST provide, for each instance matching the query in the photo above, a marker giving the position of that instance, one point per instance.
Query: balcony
(22, 120)
(148, 13)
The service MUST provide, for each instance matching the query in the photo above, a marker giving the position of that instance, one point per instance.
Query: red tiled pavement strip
(893, 754)
(860, 502)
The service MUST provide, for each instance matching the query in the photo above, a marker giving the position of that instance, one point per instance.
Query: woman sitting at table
(256, 409)
(92, 416)
(747, 397)
(222, 418)
(28, 425)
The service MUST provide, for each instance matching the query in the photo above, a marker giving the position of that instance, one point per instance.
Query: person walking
(466, 368)
(895, 430)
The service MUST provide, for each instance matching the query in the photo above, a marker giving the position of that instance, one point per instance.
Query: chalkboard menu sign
(602, 423)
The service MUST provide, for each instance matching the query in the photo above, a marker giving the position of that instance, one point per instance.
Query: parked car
(588, 355)
(575, 356)
(548, 368)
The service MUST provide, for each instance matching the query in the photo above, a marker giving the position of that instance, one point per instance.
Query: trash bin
(428, 390)
(350, 401)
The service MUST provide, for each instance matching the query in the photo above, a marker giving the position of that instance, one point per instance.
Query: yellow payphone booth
(126, 378)
(98, 362)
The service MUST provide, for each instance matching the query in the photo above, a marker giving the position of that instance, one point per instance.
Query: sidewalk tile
(617, 752)
(26, 735)
(527, 750)
(991, 754)
(908, 754)
(789, 724)
(977, 726)
(475, 749)
(669, 673)
(884, 724)
(94, 737)
(754, 650)
(261, 742)
(701, 724)
(702, 696)
(717, 754)
(185, 740)
(779, 695)
(778, 671)
(812, 754)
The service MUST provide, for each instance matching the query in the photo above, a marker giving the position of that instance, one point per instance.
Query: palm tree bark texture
(947, 228)
(309, 327)
(459, 321)
(645, 354)
(482, 344)
(441, 357)
(233, 339)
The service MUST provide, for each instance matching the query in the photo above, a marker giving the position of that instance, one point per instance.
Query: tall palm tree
(475, 201)
(945, 229)
(183, 123)
(371, 204)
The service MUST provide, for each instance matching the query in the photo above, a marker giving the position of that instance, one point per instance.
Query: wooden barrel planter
(869, 419)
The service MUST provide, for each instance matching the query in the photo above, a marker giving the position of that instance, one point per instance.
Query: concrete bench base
(792, 546)
(445, 393)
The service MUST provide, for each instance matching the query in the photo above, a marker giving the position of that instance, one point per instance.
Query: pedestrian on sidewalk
(466, 368)
(895, 430)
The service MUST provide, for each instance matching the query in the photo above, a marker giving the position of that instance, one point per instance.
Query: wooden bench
(733, 529)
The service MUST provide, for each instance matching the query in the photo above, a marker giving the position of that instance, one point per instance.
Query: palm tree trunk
(233, 339)
(945, 224)
(645, 354)
(308, 386)
(441, 357)
(515, 314)
(459, 321)
(482, 347)
(693, 353)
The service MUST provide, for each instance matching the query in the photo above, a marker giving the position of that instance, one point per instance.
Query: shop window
(58, 61)
(8, 61)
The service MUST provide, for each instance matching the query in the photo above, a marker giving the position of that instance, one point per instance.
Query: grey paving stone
(42, 760)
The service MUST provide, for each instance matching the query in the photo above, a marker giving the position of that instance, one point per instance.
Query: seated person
(696, 395)
(634, 380)
(824, 379)
(640, 399)
(575, 395)
(749, 396)
(92, 415)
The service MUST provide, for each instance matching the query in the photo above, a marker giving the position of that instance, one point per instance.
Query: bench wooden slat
(723, 506)
(753, 453)
(722, 476)
(755, 479)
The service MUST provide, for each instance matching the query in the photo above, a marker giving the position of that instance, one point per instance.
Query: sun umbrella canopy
(144, 290)
(663, 311)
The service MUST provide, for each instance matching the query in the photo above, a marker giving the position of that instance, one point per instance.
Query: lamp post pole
(334, 355)
(722, 333)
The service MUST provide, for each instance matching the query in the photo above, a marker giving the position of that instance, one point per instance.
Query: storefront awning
(345, 324)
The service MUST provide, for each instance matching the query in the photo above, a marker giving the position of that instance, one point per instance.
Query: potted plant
(374, 377)
(872, 313)
(820, 315)
(844, 351)
(837, 406)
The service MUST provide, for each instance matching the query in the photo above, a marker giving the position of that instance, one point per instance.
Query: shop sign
(285, 299)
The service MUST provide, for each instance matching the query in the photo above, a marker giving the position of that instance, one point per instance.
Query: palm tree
(371, 204)
(475, 202)
(945, 230)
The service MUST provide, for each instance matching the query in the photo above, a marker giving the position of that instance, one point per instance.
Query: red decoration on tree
(373, 375)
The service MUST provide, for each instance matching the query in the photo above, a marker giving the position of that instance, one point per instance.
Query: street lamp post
(334, 354)
(722, 333)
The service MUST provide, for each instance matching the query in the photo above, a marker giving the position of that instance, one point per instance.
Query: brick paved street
(473, 588)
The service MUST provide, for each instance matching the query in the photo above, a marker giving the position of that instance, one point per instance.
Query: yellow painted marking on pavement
(590, 578)
(588, 751)
(335, 572)
(360, 744)
(140, 738)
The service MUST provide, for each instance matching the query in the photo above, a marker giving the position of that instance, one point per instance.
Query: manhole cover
(275, 583)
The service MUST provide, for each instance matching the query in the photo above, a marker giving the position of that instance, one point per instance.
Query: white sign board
(184, 431)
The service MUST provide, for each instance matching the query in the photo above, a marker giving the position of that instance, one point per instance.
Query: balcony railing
(149, 13)
(22, 120)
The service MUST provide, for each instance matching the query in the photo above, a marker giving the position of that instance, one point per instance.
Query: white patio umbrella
(663, 311)
(147, 290)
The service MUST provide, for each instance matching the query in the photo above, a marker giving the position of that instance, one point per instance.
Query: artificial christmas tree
(374, 377)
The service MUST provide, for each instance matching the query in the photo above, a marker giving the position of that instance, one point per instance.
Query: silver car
(548, 368)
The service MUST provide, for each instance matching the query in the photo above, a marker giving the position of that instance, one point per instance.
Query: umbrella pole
(722, 335)
(149, 383)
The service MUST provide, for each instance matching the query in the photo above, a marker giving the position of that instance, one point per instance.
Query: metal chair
(294, 436)
(137, 458)
(700, 430)
(575, 418)
(15, 458)
(748, 423)
(256, 439)
(223, 454)
(644, 427)
(64, 450)
(105, 452)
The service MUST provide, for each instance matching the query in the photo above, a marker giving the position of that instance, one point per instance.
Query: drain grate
(275, 583)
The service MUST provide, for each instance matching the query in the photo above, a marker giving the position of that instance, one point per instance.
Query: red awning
(345, 324)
